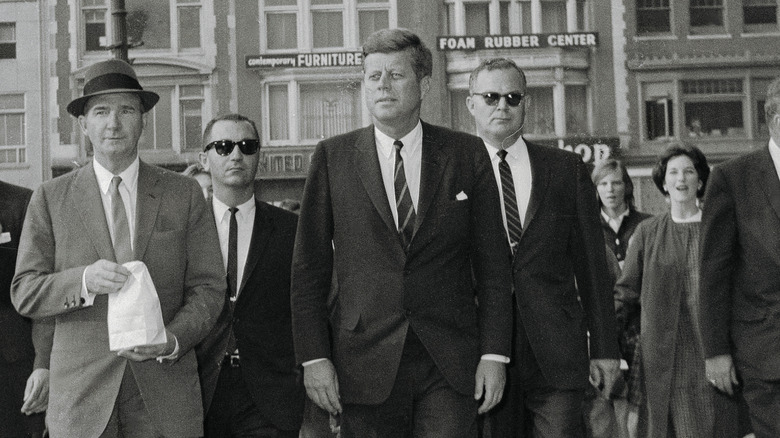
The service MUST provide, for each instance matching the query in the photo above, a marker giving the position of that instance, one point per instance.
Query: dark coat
(346, 225)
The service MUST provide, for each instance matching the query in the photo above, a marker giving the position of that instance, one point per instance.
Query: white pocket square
(461, 196)
(5, 237)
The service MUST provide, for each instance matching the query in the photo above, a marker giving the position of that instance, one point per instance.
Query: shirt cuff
(173, 355)
(86, 295)
(309, 362)
(495, 358)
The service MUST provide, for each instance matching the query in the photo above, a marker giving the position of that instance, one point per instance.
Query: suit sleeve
(491, 259)
(204, 279)
(717, 249)
(38, 289)
(313, 264)
(590, 265)
(43, 339)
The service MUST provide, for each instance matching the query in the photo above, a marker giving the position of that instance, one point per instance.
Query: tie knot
(398, 145)
(233, 210)
(502, 154)
(115, 181)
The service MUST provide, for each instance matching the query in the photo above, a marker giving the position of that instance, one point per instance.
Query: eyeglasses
(492, 98)
(225, 147)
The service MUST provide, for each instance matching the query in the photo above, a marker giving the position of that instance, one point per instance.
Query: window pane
(149, 21)
(760, 14)
(282, 31)
(477, 18)
(553, 16)
(462, 120)
(191, 124)
(94, 32)
(7, 32)
(328, 29)
(576, 110)
(504, 8)
(539, 116)
(158, 133)
(15, 129)
(278, 112)
(7, 50)
(706, 12)
(372, 21)
(653, 16)
(525, 17)
(659, 118)
(8, 156)
(714, 119)
(326, 2)
(281, 2)
(328, 110)
(189, 27)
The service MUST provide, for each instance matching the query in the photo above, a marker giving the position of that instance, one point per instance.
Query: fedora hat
(111, 76)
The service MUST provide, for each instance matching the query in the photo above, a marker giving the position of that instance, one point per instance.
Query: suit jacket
(740, 264)
(346, 226)
(560, 257)
(261, 322)
(65, 230)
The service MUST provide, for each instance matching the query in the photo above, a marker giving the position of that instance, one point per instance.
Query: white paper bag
(134, 313)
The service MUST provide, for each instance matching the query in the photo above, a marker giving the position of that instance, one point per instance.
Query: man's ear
(470, 104)
(83, 124)
(204, 160)
(425, 86)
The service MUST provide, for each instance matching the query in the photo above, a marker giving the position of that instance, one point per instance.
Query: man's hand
(36, 393)
(721, 373)
(146, 352)
(105, 277)
(604, 373)
(322, 385)
(491, 378)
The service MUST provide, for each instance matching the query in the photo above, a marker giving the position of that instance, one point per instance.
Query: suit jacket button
(408, 312)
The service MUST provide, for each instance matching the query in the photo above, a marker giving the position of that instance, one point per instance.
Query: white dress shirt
(412, 156)
(614, 223)
(520, 165)
(774, 151)
(245, 218)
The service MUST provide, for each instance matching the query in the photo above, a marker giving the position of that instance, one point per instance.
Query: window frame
(707, 28)
(669, 16)
(21, 149)
(454, 16)
(11, 43)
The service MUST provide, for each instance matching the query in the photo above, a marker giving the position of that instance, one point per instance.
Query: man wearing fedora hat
(79, 230)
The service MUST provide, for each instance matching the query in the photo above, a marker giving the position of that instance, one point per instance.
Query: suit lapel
(261, 233)
(769, 182)
(89, 203)
(367, 167)
(431, 170)
(147, 206)
(540, 177)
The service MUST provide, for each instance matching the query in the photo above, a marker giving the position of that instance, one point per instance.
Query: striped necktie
(514, 226)
(403, 199)
(123, 250)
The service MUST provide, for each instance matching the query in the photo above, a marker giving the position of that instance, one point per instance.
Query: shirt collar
(221, 209)
(410, 141)
(620, 217)
(129, 176)
(774, 151)
(516, 151)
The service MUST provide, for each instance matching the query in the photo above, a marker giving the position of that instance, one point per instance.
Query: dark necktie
(513, 223)
(232, 256)
(403, 199)
(123, 250)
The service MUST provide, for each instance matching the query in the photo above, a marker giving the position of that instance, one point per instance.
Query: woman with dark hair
(660, 274)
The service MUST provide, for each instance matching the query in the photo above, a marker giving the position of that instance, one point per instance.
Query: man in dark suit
(561, 283)
(251, 383)
(79, 231)
(406, 216)
(17, 353)
(740, 276)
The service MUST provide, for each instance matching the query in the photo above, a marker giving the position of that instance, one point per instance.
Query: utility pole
(119, 45)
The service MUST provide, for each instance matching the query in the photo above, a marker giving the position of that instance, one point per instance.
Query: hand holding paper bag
(134, 313)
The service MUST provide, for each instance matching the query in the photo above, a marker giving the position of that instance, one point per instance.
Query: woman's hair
(692, 152)
(194, 170)
(608, 166)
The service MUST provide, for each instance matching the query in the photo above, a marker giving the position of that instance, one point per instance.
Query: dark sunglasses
(492, 98)
(225, 147)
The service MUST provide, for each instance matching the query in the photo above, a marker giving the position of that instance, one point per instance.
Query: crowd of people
(432, 284)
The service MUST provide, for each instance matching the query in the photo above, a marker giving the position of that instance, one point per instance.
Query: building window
(318, 110)
(477, 18)
(12, 138)
(7, 40)
(576, 110)
(653, 16)
(321, 24)
(553, 16)
(539, 112)
(713, 108)
(168, 25)
(659, 115)
(760, 15)
(180, 107)
(706, 13)
(283, 163)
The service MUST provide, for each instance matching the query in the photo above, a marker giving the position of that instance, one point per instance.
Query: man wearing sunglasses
(251, 383)
(561, 290)
(402, 212)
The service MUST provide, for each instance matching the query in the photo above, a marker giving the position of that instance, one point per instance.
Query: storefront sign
(592, 149)
(283, 60)
(528, 41)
